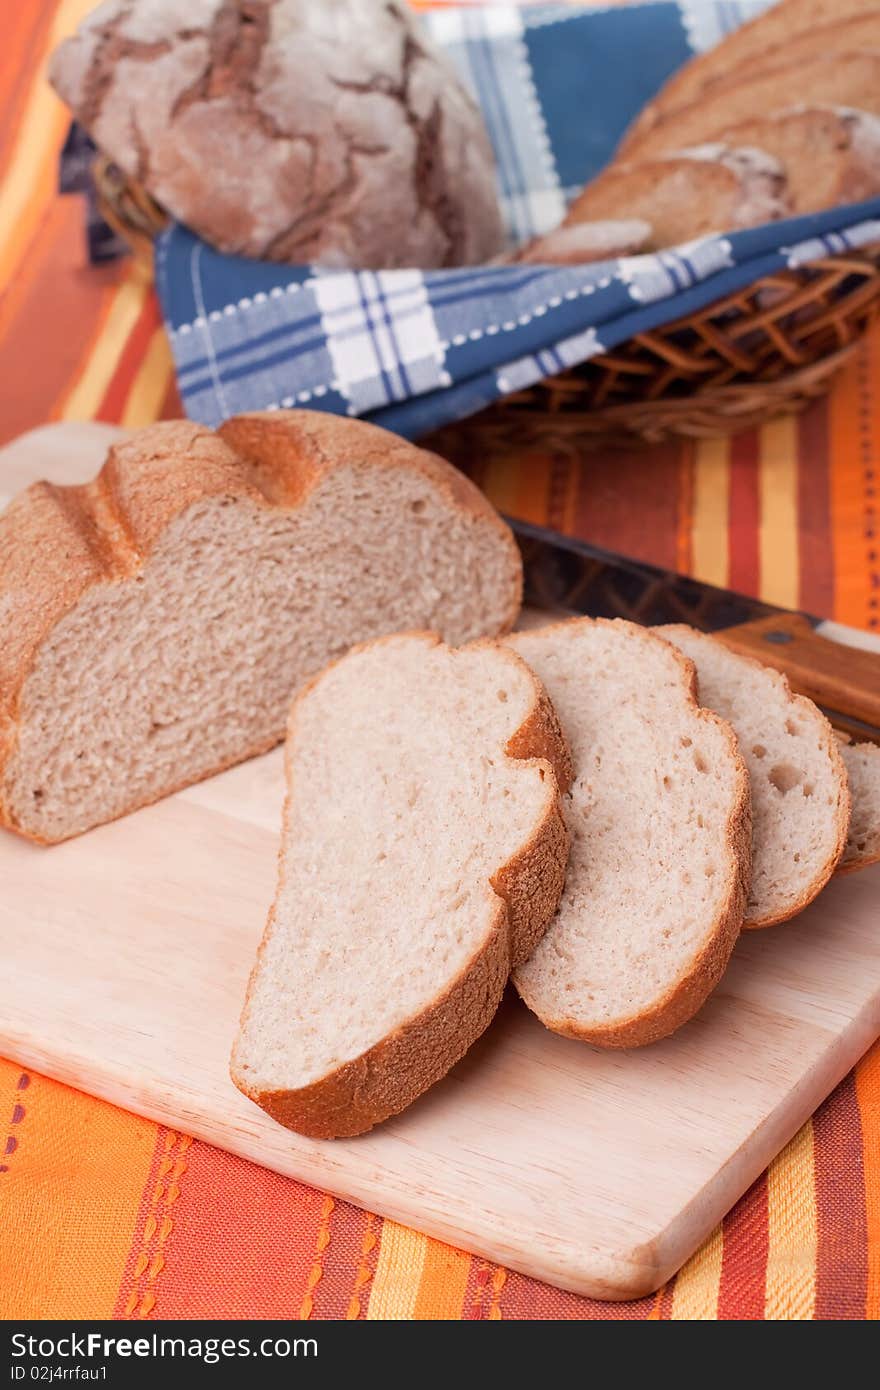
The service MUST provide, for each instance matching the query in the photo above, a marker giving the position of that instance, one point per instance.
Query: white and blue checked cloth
(413, 350)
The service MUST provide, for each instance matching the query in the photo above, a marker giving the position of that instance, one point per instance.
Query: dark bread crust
(768, 33)
(395, 1071)
(58, 543)
(688, 994)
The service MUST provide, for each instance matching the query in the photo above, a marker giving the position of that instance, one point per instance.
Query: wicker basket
(762, 351)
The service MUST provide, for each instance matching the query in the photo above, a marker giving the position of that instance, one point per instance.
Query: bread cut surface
(585, 241)
(862, 762)
(833, 78)
(658, 814)
(155, 623)
(771, 32)
(800, 799)
(707, 188)
(830, 154)
(423, 853)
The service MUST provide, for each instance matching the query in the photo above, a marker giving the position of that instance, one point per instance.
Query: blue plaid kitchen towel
(413, 350)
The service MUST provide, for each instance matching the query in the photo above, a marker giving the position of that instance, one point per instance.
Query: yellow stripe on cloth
(88, 391)
(793, 1231)
(695, 1297)
(150, 385)
(395, 1286)
(31, 179)
(778, 525)
(711, 505)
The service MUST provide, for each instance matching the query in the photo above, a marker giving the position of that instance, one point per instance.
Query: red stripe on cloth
(347, 1267)
(526, 1300)
(744, 565)
(628, 501)
(742, 1293)
(814, 513)
(244, 1241)
(130, 359)
(842, 1262)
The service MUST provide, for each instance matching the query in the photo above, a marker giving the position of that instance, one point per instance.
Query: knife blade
(836, 666)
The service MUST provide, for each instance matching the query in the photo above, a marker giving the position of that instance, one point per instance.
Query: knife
(836, 666)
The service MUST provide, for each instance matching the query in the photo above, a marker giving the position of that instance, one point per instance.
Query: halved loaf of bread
(747, 47)
(830, 154)
(862, 762)
(709, 188)
(423, 853)
(658, 814)
(155, 623)
(800, 799)
(833, 78)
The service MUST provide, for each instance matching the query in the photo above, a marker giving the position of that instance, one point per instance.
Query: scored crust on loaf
(707, 188)
(658, 814)
(744, 46)
(830, 154)
(290, 130)
(155, 623)
(800, 799)
(584, 242)
(423, 853)
(834, 79)
(862, 762)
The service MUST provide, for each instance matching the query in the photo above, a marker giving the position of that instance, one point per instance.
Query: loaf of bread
(155, 623)
(290, 130)
(833, 78)
(708, 188)
(774, 32)
(800, 797)
(830, 154)
(583, 242)
(423, 853)
(658, 814)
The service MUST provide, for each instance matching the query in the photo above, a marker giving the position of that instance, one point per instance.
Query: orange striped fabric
(105, 1214)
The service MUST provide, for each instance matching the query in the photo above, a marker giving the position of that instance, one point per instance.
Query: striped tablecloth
(103, 1213)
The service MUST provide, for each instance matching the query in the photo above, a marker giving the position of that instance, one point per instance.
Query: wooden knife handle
(844, 679)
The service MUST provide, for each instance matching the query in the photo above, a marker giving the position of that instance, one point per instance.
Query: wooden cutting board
(125, 955)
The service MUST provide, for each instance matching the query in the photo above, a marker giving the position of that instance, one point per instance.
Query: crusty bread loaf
(583, 242)
(291, 130)
(708, 188)
(862, 762)
(770, 32)
(800, 800)
(658, 814)
(155, 623)
(830, 154)
(423, 854)
(835, 79)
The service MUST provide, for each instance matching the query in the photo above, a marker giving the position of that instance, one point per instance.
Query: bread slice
(834, 78)
(658, 814)
(708, 188)
(830, 154)
(774, 31)
(423, 854)
(155, 623)
(800, 799)
(862, 762)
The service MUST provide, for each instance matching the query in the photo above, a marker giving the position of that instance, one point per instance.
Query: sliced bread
(862, 762)
(423, 853)
(708, 188)
(773, 31)
(830, 154)
(658, 814)
(834, 78)
(800, 800)
(155, 623)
